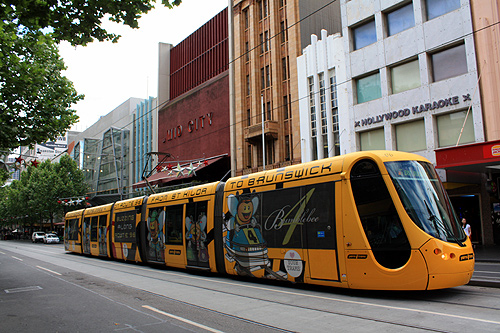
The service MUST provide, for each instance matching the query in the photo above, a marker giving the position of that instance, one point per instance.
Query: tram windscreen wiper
(439, 226)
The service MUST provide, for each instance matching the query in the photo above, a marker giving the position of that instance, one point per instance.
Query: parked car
(38, 236)
(50, 238)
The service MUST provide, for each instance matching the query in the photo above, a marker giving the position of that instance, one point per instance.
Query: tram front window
(425, 199)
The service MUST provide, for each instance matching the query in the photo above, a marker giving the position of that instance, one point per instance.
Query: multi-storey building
(104, 153)
(410, 76)
(193, 108)
(268, 37)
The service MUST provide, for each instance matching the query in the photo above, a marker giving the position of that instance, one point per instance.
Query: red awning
(177, 171)
(476, 157)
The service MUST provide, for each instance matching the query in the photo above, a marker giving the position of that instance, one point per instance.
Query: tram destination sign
(417, 109)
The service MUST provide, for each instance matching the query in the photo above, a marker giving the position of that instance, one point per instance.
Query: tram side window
(378, 215)
(93, 229)
(124, 230)
(72, 229)
(173, 221)
(102, 226)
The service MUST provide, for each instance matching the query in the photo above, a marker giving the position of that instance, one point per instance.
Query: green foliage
(35, 99)
(35, 195)
(78, 22)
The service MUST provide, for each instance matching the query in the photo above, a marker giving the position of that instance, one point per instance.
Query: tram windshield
(425, 199)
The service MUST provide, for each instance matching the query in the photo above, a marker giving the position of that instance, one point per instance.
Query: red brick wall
(199, 137)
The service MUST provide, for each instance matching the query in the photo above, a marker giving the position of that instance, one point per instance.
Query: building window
(247, 51)
(437, 8)
(410, 136)
(312, 107)
(372, 140)
(405, 77)
(261, 9)
(335, 113)
(287, 148)
(268, 76)
(449, 63)
(284, 68)
(285, 106)
(267, 42)
(262, 79)
(269, 111)
(248, 85)
(450, 125)
(364, 35)
(322, 104)
(368, 88)
(284, 32)
(249, 117)
(261, 38)
(245, 18)
(249, 156)
(400, 19)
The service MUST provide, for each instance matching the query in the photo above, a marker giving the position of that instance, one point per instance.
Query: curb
(484, 283)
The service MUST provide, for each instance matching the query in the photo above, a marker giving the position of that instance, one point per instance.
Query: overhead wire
(259, 45)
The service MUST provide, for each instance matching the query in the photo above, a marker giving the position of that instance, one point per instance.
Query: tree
(35, 99)
(78, 22)
(34, 197)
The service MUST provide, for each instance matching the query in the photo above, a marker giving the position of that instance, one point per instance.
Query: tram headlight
(444, 256)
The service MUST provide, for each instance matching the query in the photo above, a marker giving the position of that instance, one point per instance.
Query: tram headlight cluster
(444, 256)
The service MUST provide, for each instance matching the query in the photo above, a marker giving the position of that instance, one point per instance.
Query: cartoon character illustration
(196, 236)
(244, 242)
(156, 238)
(102, 240)
(86, 237)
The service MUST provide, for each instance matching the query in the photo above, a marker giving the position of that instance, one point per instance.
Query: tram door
(320, 231)
(196, 234)
(103, 236)
(86, 235)
(155, 235)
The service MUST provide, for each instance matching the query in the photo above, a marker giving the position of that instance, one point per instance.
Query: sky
(110, 73)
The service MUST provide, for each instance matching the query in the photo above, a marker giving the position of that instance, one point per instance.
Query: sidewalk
(487, 269)
(490, 253)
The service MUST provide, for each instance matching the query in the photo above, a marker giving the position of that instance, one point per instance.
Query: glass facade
(372, 140)
(435, 8)
(450, 125)
(405, 77)
(400, 19)
(364, 35)
(449, 63)
(105, 163)
(368, 88)
(411, 136)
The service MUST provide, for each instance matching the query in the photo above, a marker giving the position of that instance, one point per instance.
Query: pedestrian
(466, 227)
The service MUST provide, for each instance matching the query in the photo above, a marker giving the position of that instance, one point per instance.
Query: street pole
(263, 135)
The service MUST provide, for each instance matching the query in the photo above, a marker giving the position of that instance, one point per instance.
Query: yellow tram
(367, 220)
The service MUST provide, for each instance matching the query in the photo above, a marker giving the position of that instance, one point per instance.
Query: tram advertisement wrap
(295, 218)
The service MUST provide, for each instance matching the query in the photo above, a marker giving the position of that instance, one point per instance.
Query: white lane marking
(2, 252)
(305, 295)
(18, 290)
(320, 297)
(17, 258)
(489, 272)
(48, 270)
(182, 319)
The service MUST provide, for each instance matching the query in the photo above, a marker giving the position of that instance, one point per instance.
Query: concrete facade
(267, 40)
(428, 118)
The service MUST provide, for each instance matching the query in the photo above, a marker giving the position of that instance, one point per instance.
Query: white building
(406, 79)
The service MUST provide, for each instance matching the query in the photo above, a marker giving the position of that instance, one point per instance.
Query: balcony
(253, 134)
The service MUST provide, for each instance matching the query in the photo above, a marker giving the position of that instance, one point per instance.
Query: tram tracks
(342, 303)
(291, 290)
